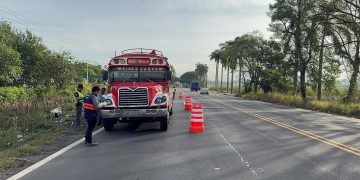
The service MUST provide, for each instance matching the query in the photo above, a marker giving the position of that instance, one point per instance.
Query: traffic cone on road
(188, 103)
(197, 119)
(180, 94)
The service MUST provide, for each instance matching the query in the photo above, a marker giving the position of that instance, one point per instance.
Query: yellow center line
(297, 130)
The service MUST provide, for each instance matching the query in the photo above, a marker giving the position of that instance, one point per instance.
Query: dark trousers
(91, 126)
(78, 110)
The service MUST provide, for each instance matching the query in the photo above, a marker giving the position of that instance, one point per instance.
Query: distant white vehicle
(204, 91)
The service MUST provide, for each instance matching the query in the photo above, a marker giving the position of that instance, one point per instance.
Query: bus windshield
(138, 74)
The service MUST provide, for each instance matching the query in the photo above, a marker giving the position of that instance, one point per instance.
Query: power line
(23, 23)
(65, 38)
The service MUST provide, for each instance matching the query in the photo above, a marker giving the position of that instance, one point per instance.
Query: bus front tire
(108, 125)
(164, 121)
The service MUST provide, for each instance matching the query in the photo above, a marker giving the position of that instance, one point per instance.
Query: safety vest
(79, 97)
(90, 112)
(89, 106)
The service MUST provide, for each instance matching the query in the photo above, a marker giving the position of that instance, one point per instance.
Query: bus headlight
(108, 102)
(160, 100)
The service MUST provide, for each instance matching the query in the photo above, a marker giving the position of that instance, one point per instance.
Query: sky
(186, 31)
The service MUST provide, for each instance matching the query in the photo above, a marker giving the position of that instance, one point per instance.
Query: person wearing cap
(79, 98)
(91, 113)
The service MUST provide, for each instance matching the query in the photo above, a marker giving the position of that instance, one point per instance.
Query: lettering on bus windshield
(124, 68)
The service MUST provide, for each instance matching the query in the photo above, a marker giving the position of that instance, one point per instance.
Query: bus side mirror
(105, 75)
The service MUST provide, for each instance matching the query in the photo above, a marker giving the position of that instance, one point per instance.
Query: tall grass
(27, 124)
(20, 120)
(335, 107)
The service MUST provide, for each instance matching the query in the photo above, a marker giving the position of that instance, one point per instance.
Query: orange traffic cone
(197, 119)
(188, 103)
(180, 94)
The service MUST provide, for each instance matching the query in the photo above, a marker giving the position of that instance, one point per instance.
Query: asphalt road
(243, 140)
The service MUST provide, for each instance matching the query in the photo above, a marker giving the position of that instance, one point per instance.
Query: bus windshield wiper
(127, 79)
(147, 78)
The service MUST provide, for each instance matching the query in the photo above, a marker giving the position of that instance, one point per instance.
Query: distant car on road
(204, 91)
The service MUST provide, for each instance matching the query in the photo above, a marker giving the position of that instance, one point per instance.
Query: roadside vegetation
(311, 61)
(33, 81)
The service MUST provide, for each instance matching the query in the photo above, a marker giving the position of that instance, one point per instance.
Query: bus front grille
(133, 97)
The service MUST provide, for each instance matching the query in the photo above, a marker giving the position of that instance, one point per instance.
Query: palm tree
(201, 72)
(230, 53)
(223, 62)
(215, 55)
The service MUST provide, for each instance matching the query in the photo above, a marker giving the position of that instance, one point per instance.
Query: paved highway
(243, 140)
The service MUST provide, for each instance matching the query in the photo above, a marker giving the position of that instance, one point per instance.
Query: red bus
(140, 89)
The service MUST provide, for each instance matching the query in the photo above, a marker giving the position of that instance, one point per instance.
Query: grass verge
(10, 156)
(350, 110)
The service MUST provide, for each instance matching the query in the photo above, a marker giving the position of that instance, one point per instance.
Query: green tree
(345, 32)
(10, 65)
(201, 71)
(295, 22)
(187, 77)
(32, 52)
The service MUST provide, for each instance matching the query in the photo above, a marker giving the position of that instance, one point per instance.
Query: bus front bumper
(124, 113)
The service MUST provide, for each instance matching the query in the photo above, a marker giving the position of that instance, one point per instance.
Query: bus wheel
(108, 125)
(164, 121)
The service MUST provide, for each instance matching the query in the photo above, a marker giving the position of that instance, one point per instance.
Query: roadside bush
(352, 109)
(16, 93)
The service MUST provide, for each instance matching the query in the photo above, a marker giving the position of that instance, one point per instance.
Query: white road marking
(236, 151)
(49, 158)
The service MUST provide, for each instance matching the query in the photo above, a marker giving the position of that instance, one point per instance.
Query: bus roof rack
(142, 51)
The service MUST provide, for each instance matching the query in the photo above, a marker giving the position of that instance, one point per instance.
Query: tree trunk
(298, 47)
(302, 82)
(256, 81)
(232, 81)
(354, 76)
(295, 81)
(217, 76)
(321, 59)
(255, 84)
(239, 90)
(222, 74)
(227, 79)
(353, 84)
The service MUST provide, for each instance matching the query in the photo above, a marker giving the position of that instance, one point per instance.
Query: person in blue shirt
(91, 113)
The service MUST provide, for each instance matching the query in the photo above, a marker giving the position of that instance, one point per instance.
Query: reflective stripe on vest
(80, 98)
(89, 106)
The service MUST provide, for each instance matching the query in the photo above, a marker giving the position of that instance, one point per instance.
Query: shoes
(91, 144)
